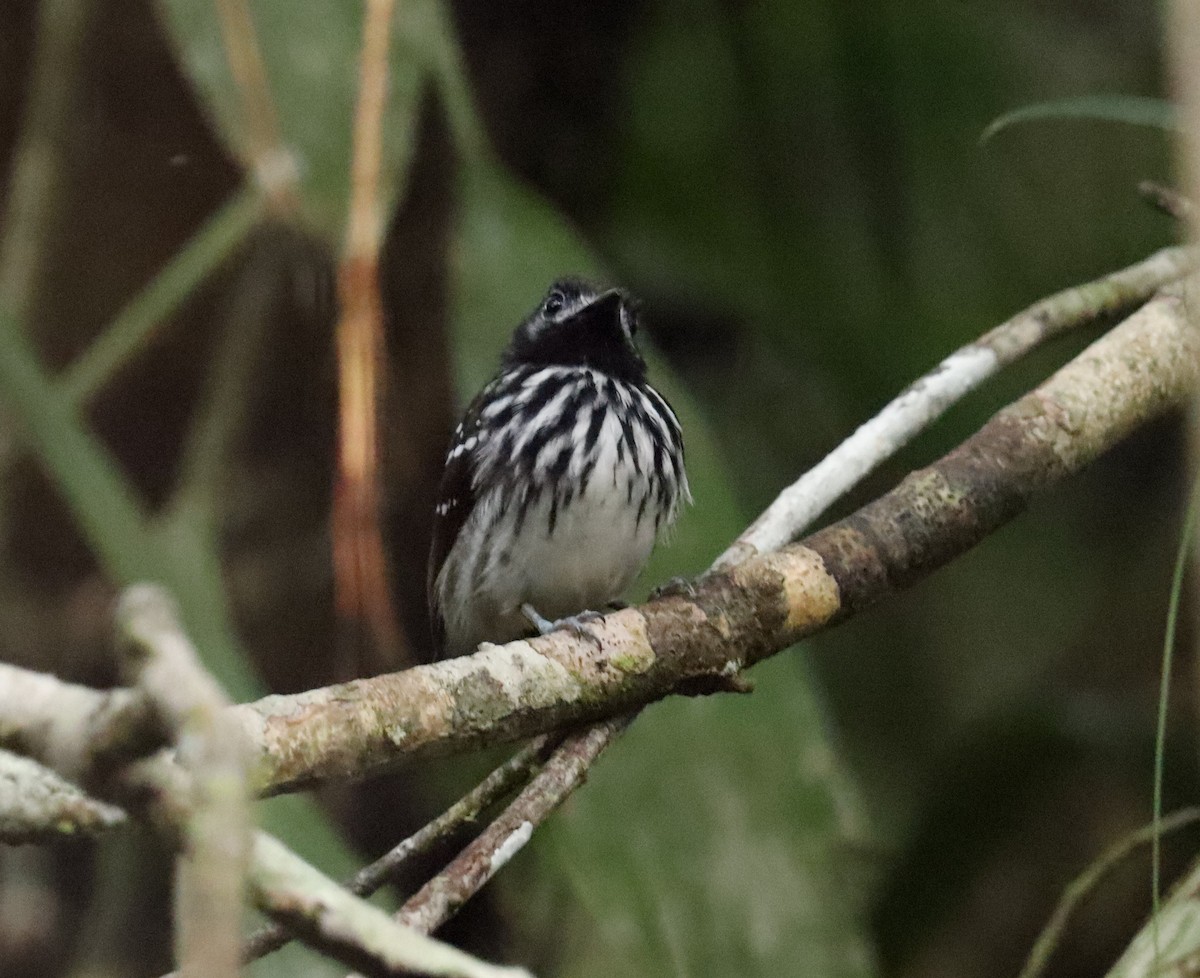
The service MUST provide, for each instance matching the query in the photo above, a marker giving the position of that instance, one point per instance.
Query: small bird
(563, 472)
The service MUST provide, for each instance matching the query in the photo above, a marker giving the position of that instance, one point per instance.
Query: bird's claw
(675, 587)
(575, 624)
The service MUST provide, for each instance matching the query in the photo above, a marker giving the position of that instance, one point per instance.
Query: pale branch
(360, 935)
(39, 806)
(439, 899)
(923, 402)
(158, 790)
(515, 771)
(1142, 368)
(209, 746)
(77, 731)
(283, 886)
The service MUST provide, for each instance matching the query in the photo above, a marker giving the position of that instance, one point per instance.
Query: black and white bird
(564, 471)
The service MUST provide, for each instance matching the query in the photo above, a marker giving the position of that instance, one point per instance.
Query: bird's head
(577, 324)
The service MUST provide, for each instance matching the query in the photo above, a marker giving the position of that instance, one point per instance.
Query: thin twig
(39, 806)
(1089, 879)
(39, 161)
(1167, 199)
(516, 770)
(210, 747)
(364, 224)
(439, 899)
(269, 158)
(799, 505)
(139, 321)
(355, 932)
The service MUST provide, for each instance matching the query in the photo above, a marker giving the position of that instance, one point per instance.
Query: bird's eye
(554, 303)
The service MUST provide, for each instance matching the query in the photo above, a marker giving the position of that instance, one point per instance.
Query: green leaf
(311, 50)
(1133, 110)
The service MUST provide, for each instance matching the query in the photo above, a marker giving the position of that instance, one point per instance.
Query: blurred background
(798, 193)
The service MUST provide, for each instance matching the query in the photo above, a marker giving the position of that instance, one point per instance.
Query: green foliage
(1131, 110)
(310, 50)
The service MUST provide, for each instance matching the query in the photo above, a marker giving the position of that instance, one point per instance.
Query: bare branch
(210, 747)
(1142, 368)
(370, 878)
(77, 731)
(1166, 199)
(439, 899)
(39, 806)
(161, 792)
(356, 933)
(799, 505)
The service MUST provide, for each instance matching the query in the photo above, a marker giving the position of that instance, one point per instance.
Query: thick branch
(75, 730)
(159, 790)
(1142, 368)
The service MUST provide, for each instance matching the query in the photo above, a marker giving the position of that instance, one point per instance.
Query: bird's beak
(609, 308)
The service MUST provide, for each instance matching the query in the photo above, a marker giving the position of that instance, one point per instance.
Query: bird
(563, 472)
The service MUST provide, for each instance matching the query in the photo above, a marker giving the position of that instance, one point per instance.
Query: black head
(580, 325)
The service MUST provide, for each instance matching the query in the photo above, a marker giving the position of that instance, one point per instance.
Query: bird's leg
(576, 624)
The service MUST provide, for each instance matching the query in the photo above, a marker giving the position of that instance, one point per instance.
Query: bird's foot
(576, 624)
(675, 587)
